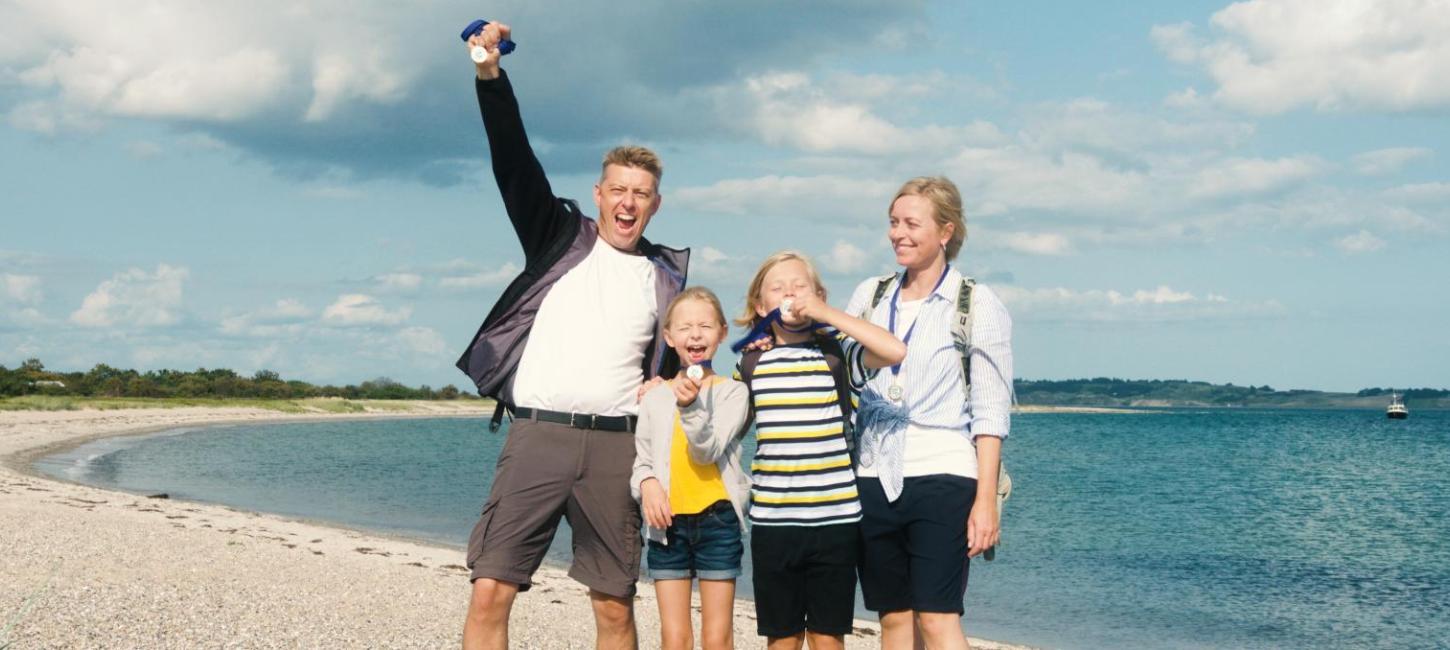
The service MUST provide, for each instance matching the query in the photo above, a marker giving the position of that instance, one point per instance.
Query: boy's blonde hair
(633, 156)
(752, 295)
(946, 203)
(697, 293)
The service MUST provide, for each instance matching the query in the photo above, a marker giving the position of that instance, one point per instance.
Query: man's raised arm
(537, 216)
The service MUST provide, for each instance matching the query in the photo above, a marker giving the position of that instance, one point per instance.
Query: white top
(933, 392)
(586, 351)
(928, 450)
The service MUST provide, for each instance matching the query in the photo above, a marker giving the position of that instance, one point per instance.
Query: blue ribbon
(504, 46)
(762, 330)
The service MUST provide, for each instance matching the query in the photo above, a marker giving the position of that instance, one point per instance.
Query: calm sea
(1176, 529)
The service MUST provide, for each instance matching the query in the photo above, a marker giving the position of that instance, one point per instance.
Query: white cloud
(1388, 161)
(355, 309)
(1420, 192)
(285, 318)
(399, 282)
(212, 63)
(1249, 176)
(494, 278)
(790, 109)
(1272, 56)
(1162, 303)
(1034, 243)
(844, 258)
(134, 298)
(1186, 99)
(1363, 241)
(20, 288)
(825, 197)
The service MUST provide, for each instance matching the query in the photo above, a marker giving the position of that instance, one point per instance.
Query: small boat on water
(1397, 409)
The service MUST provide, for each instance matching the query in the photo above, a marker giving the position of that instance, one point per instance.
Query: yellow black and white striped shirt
(802, 474)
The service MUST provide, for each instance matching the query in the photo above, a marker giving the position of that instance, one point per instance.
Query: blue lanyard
(896, 297)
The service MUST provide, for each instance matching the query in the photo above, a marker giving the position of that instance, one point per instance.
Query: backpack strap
(962, 332)
(882, 284)
(745, 370)
(840, 374)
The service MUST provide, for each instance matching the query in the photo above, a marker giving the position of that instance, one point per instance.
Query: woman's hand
(655, 503)
(982, 526)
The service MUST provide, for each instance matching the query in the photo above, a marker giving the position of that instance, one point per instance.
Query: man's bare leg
(487, 624)
(613, 622)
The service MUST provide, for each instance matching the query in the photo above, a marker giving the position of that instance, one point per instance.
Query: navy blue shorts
(914, 550)
(705, 546)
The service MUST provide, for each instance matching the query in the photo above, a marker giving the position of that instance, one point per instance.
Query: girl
(688, 479)
(804, 506)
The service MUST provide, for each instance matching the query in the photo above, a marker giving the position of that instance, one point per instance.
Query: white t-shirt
(928, 450)
(586, 351)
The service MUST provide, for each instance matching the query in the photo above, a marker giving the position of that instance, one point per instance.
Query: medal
(785, 308)
(479, 54)
(695, 372)
(895, 392)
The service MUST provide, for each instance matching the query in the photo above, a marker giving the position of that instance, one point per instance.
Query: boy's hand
(805, 308)
(493, 33)
(686, 390)
(655, 504)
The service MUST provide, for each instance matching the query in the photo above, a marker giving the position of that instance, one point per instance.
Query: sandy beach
(90, 568)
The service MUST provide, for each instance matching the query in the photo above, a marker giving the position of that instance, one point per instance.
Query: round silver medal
(695, 372)
(479, 54)
(785, 306)
(895, 392)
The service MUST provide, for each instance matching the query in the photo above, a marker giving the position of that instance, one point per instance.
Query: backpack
(962, 341)
(836, 361)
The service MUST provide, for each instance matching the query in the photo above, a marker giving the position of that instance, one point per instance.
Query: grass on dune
(311, 405)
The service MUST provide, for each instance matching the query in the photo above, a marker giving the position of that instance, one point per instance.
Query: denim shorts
(705, 546)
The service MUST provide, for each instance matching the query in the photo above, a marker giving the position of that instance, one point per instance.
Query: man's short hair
(633, 156)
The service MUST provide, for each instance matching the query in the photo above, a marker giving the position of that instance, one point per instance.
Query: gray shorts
(550, 470)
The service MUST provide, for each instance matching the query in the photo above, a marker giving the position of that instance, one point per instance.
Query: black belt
(620, 423)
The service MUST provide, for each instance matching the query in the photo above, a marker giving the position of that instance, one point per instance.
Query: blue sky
(1251, 192)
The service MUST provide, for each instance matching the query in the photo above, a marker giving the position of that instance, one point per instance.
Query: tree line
(32, 378)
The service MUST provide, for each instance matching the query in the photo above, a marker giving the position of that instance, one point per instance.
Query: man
(566, 348)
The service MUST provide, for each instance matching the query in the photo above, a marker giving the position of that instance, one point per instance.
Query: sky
(1252, 192)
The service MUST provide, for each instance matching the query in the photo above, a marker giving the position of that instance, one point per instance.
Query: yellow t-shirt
(693, 487)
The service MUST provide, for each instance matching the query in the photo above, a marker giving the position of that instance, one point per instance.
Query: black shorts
(914, 551)
(805, 578)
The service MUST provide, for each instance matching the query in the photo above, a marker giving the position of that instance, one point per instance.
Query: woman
(931, 428)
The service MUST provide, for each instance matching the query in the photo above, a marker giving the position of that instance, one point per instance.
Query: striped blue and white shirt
(939, 416)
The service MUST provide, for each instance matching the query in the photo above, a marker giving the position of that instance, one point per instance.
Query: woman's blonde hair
(752, 295)
(697, 293)
(946, 203)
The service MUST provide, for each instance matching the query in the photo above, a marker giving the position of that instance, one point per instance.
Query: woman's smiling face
(915, 236)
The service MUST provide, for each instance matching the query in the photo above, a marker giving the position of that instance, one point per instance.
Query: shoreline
(97, 567)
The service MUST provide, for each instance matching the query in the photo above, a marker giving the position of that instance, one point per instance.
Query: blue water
(1179, 529)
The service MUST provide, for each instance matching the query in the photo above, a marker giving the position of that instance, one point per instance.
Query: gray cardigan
(714, 426)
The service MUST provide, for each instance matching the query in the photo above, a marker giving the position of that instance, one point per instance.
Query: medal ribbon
(762, 329)
(895, 298)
